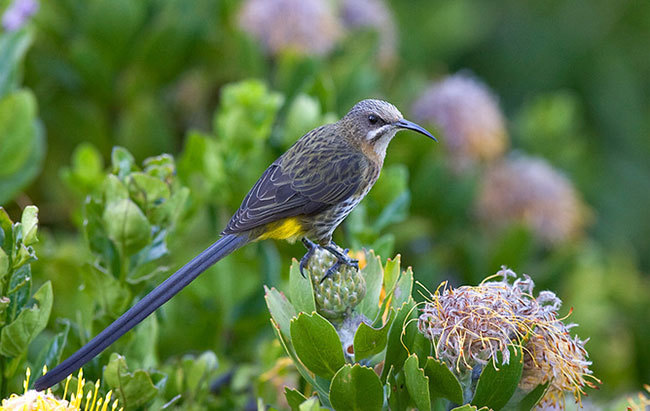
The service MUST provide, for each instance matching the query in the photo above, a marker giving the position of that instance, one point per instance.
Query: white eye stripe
(373, 133)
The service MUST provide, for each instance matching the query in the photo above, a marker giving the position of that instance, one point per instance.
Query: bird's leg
(342, 257)
(311, 246)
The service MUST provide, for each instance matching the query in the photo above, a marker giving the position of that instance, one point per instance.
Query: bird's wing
(301, 185)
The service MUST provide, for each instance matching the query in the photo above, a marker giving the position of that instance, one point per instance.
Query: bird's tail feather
(160, 295)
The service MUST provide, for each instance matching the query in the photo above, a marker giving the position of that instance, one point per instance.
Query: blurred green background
(226, 86)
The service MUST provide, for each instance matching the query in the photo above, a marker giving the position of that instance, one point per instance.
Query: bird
(304, 194)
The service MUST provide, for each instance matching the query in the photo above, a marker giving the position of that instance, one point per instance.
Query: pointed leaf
(370, 341)
(15, 337)
(442, 382)
(468, 407)
(391, 272)
(532, 398)
(417, 383)
(29, 223)
(294, 398)
(395, 352)
(403, 289)
(373, 273)
(317, 344)
(398, 396)
(280, 308)
(134, 389)
(356, 388)
(126, 225)
(301, 291)
(496, 386)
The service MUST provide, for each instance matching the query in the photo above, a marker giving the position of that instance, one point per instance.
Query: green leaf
(373, 273)
(398, 396)
(311, 404)
(496, 386)
(133, 389)
(126, 225)
(532, 398)
(20, 288)
(51, 353)
(317, 344)
(6, 228)
(392, 273)
(280, 308)
(96, 236)
(86, 172)
(321, 386)
(200, 369)
(395, 352)
(246, 114)
(294, 398)
(16, 336)
(395, 212)
(356, 388)
(123, 161)
(114, 189)
(442, 382)
(4, 304)
(147, 190)
(403, 289)
(13, 183)
(417, 383)
(13, 45)
(370, 341)
(4, 264)
(107, 291)
(468, 407)
(300, 290)
(29, 223)
(17, 130)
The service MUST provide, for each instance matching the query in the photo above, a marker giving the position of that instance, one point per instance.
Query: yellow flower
(32, 400)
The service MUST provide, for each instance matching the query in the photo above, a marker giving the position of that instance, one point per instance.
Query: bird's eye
(372, 119)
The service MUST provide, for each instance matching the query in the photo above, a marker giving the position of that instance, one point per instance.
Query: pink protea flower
(468, 326)
(529, 190)
(306, 27)
(469, 118)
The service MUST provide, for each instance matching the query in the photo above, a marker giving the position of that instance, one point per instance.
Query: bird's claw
(343, 259)
(311, 246)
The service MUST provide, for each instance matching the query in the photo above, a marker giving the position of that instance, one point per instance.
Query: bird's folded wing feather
(303, 186)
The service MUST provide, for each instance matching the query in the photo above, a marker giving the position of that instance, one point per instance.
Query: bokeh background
(542, 110)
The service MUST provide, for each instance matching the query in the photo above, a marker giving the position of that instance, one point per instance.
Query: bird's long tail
(170, 287)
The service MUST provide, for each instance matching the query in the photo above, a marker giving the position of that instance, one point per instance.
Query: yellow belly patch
(287, 229)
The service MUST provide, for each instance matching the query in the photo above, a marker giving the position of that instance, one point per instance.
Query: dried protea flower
(468, 326)
(469, 118)
(530, 191)
(339, 293)
(375, 15)
(303, 26)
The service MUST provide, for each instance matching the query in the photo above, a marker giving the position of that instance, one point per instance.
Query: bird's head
(373, 123)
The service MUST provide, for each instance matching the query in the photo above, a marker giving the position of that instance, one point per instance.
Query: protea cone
(338, 294)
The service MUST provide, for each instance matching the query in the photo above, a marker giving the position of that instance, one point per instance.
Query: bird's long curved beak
(412, 126)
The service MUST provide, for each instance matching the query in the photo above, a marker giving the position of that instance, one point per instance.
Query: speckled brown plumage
(322, 177)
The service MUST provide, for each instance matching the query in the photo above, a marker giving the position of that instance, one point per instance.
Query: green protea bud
(338, 294)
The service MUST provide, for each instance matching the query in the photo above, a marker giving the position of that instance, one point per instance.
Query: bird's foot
(311, 246)
(342, 257)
